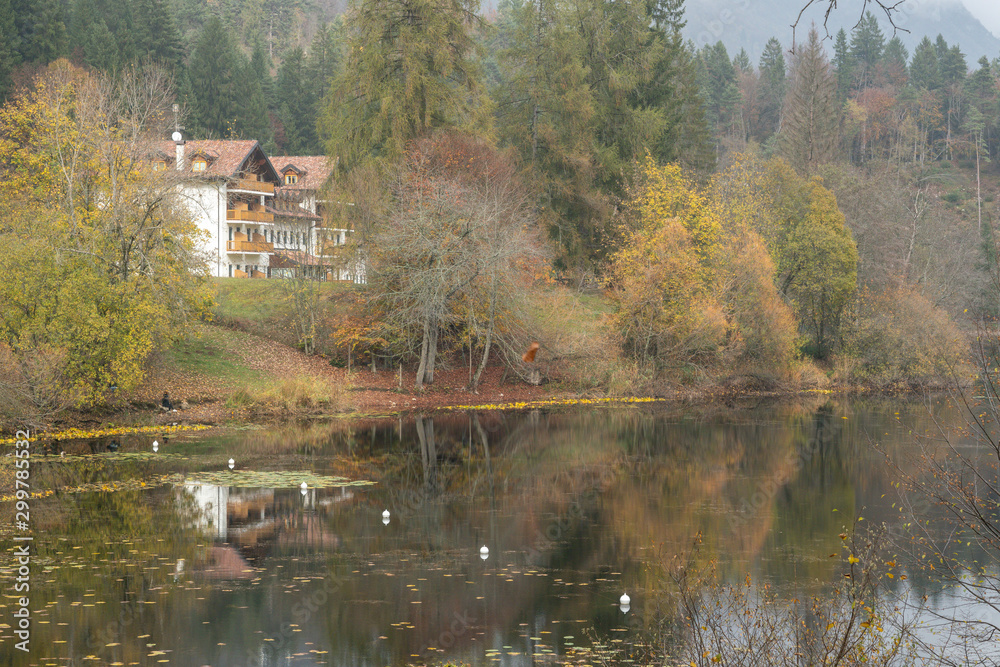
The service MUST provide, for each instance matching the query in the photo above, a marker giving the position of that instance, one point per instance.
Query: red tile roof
(227, 157)
(313, 170)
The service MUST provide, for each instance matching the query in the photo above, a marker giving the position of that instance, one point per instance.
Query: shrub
(899, 337)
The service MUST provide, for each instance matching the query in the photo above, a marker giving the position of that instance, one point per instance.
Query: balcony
(249, 216)
(259, 247)
(250, 185)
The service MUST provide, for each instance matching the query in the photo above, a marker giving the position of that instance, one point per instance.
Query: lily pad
(272, 479)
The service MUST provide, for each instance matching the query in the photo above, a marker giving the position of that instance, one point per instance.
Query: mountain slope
(749, 23)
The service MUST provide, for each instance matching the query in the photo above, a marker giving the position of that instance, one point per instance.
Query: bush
(952, 197)
(898, 337)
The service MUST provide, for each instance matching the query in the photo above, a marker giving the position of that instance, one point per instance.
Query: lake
(139, 558)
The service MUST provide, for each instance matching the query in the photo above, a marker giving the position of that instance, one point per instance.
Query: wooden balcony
(254, 186)
(249, 216)
(259, 247)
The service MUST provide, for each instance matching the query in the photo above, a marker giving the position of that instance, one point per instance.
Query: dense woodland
(831, 202)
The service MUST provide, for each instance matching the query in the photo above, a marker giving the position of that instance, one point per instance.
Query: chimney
(179, 143)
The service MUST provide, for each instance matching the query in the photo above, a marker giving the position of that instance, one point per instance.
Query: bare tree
(449, 250)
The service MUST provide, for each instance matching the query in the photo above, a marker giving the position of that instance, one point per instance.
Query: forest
(825, 213)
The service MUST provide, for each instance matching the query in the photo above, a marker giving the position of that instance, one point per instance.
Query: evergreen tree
(867, 44)
(100, 50)
(773, 83)
(297, 105)
(620, 57)
(953, 66)
(812, 114)
(325, 59)
(843, 62)
(894, 60)
(741, 61)
(673, 90)
(10, 42)
(546, 112)
(924, 70)
(41, 29)
(157, 36)
(409, 70)
(254, 85)
(214, 74)
(717, 80)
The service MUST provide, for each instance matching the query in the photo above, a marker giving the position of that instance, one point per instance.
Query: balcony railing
(249, 246)
(254, 186)
(249, 216)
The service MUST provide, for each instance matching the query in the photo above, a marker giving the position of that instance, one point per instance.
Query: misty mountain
(749, 24)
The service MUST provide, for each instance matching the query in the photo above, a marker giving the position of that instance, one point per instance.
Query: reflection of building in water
(212, 501)
(260, 521)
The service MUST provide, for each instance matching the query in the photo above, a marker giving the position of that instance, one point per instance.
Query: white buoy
(232, 464)
(484, 553)
(156, 446)
(385, 517)
(303, 486)
(624, 599)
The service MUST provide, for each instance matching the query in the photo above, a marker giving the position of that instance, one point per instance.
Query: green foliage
(215, 72)
(409, 70)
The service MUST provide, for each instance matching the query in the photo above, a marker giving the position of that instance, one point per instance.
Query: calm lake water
(576, 506)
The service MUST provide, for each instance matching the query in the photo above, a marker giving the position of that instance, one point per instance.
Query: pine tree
(741, 61)
(773, 84)
(214, 73)
(924, 70)
(253, 82)
(867, 44)
(41, 29)
(100, 50)
(409, 70)
(297, 105)
(546, 112)
(157, 36)
(843, 62)
(620, 56)
(812, 114)
(10, 42)
(894, 60)
(717, 80)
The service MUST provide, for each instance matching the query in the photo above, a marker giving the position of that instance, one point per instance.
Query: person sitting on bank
(165, 404)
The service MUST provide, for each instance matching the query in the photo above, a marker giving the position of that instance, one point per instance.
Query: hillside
(748, 24)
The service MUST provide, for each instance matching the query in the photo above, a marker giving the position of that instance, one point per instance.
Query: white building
(259, 222)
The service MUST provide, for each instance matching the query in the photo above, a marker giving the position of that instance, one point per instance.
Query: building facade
(258, 222)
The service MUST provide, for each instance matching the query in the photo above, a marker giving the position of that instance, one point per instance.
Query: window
(159, 166)
(291, 178)
(199, 164)
(230, 270)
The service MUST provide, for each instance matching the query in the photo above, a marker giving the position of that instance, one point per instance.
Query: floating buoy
(156, 446)
(232, 464)
(484, 553)
(625, 603)
(385, 517)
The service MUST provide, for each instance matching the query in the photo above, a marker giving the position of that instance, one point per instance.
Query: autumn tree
(446, 257)
(98, 255)
(663, 275)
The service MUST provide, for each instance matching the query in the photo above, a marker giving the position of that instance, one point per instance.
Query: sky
(987, 11)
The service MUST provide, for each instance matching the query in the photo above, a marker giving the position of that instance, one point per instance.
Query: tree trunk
(424, 344)
(474, 386)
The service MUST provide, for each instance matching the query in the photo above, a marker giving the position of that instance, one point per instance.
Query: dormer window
(159, 165)
(291, 178)
(199, 164)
